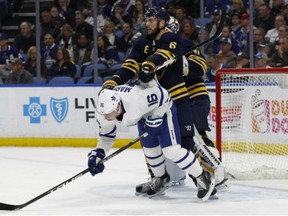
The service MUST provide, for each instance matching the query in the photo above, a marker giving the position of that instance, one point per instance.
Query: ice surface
(29, 172)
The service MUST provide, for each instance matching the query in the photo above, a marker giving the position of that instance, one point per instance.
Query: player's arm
(107, 135)
(197, 64)
(129, 69)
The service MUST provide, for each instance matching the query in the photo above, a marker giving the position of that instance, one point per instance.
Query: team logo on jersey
(35, 110)
(59, 108)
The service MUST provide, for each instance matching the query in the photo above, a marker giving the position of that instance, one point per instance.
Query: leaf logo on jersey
(59, 108)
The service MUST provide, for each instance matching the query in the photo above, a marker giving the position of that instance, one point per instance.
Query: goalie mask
(108, 101)
(173, 25)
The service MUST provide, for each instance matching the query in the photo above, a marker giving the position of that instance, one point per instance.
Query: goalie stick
(186, 52)
(10, 207)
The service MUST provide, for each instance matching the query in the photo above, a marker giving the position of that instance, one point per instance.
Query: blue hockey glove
(146, 73)
(153, 126)
(95, 164)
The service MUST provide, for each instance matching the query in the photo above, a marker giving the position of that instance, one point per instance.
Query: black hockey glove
(95, 164)
(146, 73)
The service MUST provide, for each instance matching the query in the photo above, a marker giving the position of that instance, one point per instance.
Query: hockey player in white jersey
(154, 112)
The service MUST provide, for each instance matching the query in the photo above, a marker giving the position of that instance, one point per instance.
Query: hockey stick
(185, 52)
(9, 207)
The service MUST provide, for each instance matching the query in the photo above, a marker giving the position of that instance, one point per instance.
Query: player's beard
(154, 33)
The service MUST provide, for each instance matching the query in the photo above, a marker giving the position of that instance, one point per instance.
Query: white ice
(28, 172)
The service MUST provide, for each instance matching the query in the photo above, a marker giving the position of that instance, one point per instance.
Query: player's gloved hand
(153, 126)
(95, 164)
(146, 73)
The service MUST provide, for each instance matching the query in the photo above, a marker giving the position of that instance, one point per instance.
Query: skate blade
(178, 183)
(222, 186)
(211, 188)
(161, 191)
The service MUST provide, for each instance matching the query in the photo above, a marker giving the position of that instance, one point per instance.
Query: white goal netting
(252, 125)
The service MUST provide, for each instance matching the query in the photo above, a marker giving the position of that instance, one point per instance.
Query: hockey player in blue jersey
(147, 52)
(194, 68)
(153, 110)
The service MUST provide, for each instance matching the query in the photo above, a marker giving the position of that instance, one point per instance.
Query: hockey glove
(153, 126)
(95, 164)
(146, 73)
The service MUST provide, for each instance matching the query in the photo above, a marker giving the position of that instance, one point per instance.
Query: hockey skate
(155, 186)
(205, 185)
(221, 178)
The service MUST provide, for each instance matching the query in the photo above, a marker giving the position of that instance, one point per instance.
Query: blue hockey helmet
(158, 12)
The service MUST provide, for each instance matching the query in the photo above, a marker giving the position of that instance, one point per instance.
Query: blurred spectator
(107, 54)
(63, 65)
(67, 38)
(235, 23)
(258, 36)
(25, 39)
(282, 32)
(263, 46)
(19, 75)
(265, 19)
(280, 57)
(242, 36)
(124, 43)
(190, 31)
(66, 12)
(138, 16)
(118, 16)
(127, 6)
(237, 6)
(187, 4)
(49, 50)
(88, 16)
(256, 6)
(48, 25)
(277, 6)
(273, 34)
(180, 15)
(82, 26)
(83, 51)
(78, 5)
(261, 60)
(31, 63)
(226, 33)
(209, 48)
(212, 5)
(109, 31)
(56, 18)
(104, 9)
(7, 54)
(243, 60)
(213, 64)
(226, 55)
(213, 25)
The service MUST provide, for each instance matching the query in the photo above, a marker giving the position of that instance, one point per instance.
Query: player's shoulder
(169, 36)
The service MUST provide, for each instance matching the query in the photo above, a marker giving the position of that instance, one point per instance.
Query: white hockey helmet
(108, 101)
(173, 25)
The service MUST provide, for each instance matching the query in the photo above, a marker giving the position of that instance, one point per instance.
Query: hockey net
(252, 122)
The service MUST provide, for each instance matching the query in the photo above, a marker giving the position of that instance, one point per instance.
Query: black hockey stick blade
(186, 52)
(10, 207)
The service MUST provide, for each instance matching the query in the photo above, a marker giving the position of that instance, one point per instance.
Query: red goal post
(252, 122)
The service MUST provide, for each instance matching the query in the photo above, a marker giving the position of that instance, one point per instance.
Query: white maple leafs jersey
(138, 102)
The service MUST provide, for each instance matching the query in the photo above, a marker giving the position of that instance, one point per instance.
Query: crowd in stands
(67, 36)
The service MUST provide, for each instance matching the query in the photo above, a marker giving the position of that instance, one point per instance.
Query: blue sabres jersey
(158, 51)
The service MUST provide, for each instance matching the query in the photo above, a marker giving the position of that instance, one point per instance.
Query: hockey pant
(166, 145)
